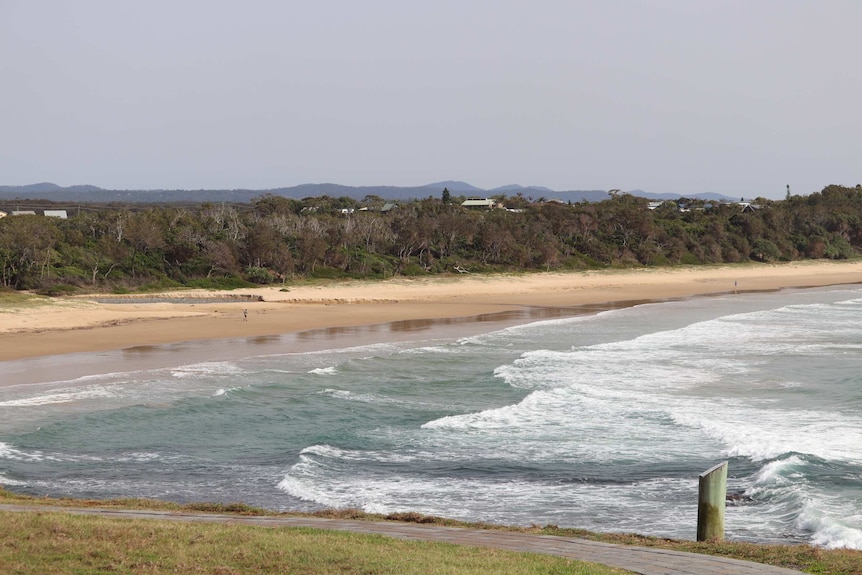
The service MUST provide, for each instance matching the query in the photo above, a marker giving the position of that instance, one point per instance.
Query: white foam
(567, 322)
(539, 409)
(140, 457)
(663, 373)
(111, 377)
(767, 433)
(207, 369)
(9, 452)
(337, 454)
(359, 397)
(512, 501)
(382, 348)
(227, 390)
(7, 481)
(832, 529)
(777, 471)
(441, 349)
(331, 370)
(610, 366)
(61, 396)
(551, 425)
(474, 340)
(332, 351)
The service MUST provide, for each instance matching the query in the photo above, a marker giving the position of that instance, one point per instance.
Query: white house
(56, 214)
(479, 203)
(748, 207)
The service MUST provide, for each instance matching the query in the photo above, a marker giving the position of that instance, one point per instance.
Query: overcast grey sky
(735, 96)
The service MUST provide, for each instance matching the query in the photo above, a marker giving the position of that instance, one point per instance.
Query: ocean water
(600, 421)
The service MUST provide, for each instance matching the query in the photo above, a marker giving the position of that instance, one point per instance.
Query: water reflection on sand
(71, 366)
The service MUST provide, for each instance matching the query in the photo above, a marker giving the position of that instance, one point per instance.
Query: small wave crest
(359, 397)
(311, 478)
(430, 349)
(487, 498)
(207, 369)
(790, 487)
(7, 451)
(779, 471)
(538, 410)
(830, 529)
(61, 396)
(225, 391)
(8, 481)
(335, 453)
(10, 452)
(331, 370)
(754, 431)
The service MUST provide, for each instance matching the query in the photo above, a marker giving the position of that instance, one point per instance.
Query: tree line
(275, 239)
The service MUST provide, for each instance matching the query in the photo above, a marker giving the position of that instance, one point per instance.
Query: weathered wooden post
(712, 491)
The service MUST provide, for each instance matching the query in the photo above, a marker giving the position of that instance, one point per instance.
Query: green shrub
(658, 260)
(764, 250)
(325, 272)
(58, 290)
(70, 272)
(260, 275)
(839, 249)
(413, 269)
(689, 259)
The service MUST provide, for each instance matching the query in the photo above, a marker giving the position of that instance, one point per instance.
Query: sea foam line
(60, 396)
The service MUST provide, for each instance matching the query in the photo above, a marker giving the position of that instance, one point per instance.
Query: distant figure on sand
(245, 315)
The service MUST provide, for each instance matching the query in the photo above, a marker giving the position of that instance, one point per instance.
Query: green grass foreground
(56, 543)
(88, 545)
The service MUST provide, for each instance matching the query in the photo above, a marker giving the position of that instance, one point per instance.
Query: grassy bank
(56, 543)
(383, 555)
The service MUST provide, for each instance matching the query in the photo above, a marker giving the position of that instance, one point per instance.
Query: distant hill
(94, 194)
(515, 188)
(456, 187)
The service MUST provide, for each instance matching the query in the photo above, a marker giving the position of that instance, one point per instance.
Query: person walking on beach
(245, 315)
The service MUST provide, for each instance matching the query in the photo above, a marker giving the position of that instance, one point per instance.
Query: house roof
(478, 203)
(748, 206)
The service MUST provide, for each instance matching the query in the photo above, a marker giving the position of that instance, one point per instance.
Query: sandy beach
(83, 324)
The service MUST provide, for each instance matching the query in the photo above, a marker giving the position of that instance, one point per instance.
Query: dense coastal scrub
(276, 239)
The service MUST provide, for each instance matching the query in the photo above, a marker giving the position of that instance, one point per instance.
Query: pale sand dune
(77, 324)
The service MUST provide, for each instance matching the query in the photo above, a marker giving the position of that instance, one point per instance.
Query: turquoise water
(599, 421)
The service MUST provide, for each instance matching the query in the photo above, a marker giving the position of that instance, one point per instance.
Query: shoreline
(80, 325)
(152, 403)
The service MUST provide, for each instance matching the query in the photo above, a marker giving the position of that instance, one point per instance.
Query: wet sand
(98, 324)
